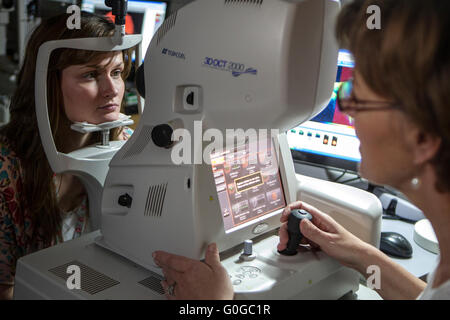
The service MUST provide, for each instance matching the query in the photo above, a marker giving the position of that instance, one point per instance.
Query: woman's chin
(108, 118)
(366, 174)
(362, 171)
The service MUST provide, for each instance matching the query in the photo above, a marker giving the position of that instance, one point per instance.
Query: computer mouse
(396, 245)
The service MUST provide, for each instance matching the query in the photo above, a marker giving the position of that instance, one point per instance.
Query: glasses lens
(346, 91)
(344, 95)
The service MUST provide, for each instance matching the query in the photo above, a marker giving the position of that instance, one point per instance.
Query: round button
(249, 269)
(237, 282)
(260, 228)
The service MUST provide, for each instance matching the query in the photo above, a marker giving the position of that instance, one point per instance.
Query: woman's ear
(424, 145)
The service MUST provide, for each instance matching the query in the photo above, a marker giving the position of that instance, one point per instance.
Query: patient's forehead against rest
(77, 57)
(96, 60)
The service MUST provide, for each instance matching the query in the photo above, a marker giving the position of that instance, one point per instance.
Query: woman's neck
(76, 141)
(436, 207)
(70, 191)
(69, 188)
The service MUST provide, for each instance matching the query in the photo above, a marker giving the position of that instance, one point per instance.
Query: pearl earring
(415, 183)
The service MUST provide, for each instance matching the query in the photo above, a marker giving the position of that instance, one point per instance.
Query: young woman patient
(38, 208)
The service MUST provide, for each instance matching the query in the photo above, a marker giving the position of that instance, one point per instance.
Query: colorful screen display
(248, 184)
(329, 138)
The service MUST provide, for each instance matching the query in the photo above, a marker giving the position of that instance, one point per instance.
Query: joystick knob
(293, 226)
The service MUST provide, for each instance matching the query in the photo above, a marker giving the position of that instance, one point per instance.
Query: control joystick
(293, 226)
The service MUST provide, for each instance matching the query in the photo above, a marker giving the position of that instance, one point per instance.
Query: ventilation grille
(92, 281)
(153, 283)
(168, 24)
(143, 139)
(255, 2)
(155, 200)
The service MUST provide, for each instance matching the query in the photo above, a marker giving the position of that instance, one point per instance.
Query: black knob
(125, 200)
(162, 135)
(295, 235)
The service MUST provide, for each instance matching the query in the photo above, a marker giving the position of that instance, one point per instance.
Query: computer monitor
(329, 138)
(143, 17)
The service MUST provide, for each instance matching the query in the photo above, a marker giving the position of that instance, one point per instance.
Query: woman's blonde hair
(408, 62)
(22, 133)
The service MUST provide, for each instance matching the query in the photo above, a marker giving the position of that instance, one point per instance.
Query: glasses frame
(375, 105)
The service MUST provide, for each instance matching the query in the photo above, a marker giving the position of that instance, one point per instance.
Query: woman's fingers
(320, 219)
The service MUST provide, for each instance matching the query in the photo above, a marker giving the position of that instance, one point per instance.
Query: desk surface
(420, 264)
(422, 261)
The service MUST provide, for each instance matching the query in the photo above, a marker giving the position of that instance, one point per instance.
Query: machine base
(107, 275)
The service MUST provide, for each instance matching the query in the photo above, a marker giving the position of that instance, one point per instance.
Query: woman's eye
(90, 75)
(117, 73)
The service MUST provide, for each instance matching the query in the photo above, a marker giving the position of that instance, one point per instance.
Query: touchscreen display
(248, 183)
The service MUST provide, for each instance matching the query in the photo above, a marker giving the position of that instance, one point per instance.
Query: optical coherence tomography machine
(214, 65)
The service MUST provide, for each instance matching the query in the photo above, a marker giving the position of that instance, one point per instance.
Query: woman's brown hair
(22, 133)
(408, 62)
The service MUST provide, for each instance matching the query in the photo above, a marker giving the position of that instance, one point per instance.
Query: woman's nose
(109, 87)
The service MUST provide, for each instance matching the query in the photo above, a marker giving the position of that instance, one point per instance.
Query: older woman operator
(400, 101)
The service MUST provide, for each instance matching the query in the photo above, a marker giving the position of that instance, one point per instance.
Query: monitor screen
(143, 17)
(329, 138)
(248, 184)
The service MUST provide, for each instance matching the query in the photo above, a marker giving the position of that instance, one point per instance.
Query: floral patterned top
(15, 220)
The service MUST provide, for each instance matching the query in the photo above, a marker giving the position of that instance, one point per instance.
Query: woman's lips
(109, 107)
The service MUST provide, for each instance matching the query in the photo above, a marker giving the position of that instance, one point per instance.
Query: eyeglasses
(347, 102)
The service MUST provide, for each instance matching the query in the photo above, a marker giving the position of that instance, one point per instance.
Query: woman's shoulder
(5, 147)
(440, 293)
(9, 164)
(7, 151)
(14, 222)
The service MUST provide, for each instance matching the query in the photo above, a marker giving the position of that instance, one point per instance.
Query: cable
(350, 180)
(338, 178)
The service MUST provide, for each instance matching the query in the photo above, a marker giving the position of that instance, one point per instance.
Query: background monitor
(143, 17)
(329, 138)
